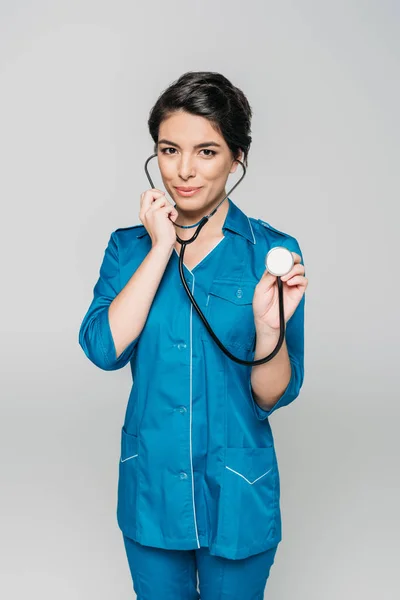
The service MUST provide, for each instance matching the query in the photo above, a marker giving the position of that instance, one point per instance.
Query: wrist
(163, 249)
(267, 332)
(266, 341)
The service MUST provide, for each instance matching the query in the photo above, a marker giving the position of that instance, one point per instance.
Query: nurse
(198, 489)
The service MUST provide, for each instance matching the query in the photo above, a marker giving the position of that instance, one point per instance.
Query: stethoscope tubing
(184, 243)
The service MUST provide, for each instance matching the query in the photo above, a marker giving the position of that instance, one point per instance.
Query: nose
(186, 167)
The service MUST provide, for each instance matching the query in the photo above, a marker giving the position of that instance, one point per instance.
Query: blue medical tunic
(198, 465)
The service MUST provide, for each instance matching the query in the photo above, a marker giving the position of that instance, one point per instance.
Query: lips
(187, 189)
(187, 192)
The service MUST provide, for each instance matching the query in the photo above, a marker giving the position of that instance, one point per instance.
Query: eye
(213, 153)
(164, 150)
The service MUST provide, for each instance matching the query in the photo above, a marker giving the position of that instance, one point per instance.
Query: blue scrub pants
(172, 574)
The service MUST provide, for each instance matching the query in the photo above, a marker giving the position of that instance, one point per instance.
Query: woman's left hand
(266, 298)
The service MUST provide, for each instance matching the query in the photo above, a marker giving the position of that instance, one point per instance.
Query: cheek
(214, 174)
(167, 170)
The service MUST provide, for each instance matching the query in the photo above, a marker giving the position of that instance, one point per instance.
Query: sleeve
(294, 335)
(95, 335)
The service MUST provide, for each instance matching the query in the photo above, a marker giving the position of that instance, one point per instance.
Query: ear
(235, 163)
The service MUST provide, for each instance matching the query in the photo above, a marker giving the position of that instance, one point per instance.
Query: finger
(172, 212)
(156, 190)
(298, 280)
(154, 205)
(296, 257)
(169, 212)
(267, 281)
(296, 270)
(157, 204)
(147, 198)
(266, 273)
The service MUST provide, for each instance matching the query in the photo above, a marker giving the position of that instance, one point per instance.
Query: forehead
(184, 128)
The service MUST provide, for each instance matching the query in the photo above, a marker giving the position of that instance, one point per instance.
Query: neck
(212, 228)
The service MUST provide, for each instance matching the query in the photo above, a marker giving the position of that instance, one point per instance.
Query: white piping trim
(252, 232)
(251, 482)
(128, 457)
(190, 412)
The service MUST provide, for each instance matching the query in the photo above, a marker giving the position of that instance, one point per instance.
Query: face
(184, 163)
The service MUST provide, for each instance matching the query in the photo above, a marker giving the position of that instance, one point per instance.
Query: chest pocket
(229, 311)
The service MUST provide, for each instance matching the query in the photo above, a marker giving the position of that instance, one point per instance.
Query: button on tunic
(197, 464)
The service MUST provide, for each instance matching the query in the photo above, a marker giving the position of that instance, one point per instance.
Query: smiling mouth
(187, 191)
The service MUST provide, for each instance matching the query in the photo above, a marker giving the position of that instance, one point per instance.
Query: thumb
(267, 280)
(173, 214)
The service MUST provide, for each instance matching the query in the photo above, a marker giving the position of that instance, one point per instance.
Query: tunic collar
(235, 221)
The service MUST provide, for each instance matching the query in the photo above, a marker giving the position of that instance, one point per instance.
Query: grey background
(77, 80)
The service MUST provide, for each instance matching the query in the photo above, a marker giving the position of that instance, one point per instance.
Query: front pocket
(252, 464)
(229, 311)
(127, 481)
(129, 446)
(249, 496)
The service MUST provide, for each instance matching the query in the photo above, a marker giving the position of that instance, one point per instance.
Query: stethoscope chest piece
(279, 261)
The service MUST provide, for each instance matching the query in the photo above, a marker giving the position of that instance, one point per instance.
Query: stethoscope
(278, 261)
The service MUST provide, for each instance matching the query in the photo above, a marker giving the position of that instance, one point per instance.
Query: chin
(187, 202)
(190, 204)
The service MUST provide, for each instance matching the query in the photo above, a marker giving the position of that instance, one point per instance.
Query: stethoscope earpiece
(279, 261)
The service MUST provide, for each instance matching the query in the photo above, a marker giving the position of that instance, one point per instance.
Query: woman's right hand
(158, 216)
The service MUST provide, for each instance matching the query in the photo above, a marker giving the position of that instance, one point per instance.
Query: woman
(198, 490)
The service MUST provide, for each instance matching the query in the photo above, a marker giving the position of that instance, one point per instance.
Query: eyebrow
(203, 145)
